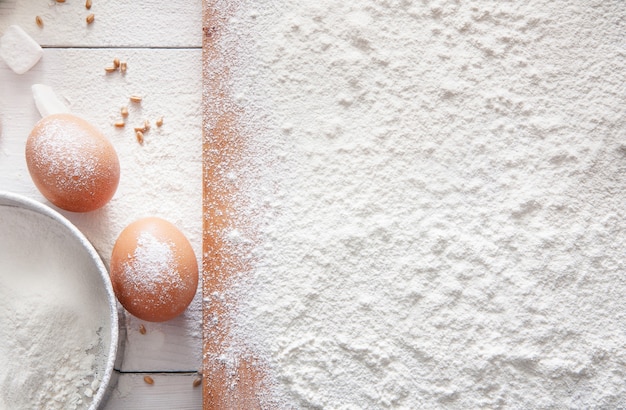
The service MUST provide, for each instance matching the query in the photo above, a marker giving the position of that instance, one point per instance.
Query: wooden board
(225, 386)
(169, 391)
(118, 24)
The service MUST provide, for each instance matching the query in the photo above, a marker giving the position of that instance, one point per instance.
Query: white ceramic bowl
(52, 257)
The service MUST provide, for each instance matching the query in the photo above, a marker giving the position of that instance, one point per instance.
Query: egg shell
(72, 163)
(154, 270)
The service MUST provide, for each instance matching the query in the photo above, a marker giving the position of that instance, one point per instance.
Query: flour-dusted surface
(437, 201)
(59, 152)
(152, 265)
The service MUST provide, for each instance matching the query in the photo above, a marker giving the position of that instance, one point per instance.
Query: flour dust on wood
(432, 201)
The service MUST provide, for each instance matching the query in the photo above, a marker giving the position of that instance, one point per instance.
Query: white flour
(51, 326)
(439, 201)
(153, 264)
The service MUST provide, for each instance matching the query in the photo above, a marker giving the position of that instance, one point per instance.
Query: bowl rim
(21, 201)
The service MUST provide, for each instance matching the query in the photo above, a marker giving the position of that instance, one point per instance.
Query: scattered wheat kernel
(90, 18)
(142, 329)
(148, 379)
(120, 124)
(124, 111)
(123, 66)
(60, 1)
(88, 4)
(139, 136)
(39, 21)
(159, 121)
(146, 125)
(197, 382)
(135, 98)
(116, 62)
(109, 69)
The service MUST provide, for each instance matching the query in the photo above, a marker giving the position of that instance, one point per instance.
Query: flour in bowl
(433, 203)
(52, 318)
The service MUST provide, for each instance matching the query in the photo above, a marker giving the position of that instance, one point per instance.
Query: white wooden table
(161, 41)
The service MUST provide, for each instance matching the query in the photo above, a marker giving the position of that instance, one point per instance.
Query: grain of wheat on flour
(432, 201)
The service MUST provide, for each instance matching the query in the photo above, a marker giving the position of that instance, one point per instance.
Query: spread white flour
(50, 325)
(436, 200)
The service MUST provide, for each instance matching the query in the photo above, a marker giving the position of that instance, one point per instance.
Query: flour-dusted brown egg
(71, 163)
(154, 270)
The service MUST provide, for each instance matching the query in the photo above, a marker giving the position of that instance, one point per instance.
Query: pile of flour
(51, 326)
(436, 191)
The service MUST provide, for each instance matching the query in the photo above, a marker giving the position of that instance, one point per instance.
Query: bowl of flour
(59, 328)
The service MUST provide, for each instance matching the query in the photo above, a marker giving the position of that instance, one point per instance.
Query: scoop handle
(47, 101)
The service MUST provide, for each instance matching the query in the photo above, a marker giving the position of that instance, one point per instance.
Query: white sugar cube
(47, 101)
(19, 50)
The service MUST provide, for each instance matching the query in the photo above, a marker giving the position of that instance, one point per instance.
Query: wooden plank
(174, 345)
(232, 379)
(169, 391)
(147, 23)
(170, 81)
(172, 90)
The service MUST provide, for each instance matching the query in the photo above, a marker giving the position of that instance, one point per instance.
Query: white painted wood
(169, 391)
(174, 345)
(145, 23)
(172, 90)
(161, 43)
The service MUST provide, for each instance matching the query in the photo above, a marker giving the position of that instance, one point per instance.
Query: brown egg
(71, 163)
(154, 270)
